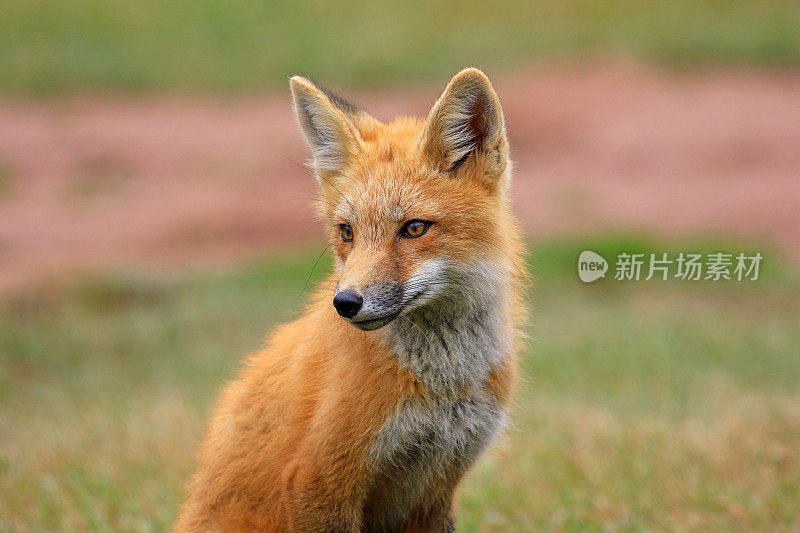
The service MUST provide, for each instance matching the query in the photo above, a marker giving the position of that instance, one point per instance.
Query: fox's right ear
(332, 138)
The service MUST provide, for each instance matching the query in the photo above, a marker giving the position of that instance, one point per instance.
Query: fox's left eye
(347, 233)
(414, 228)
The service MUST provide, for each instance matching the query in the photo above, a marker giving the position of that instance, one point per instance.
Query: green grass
(240, 45)
(655, 406)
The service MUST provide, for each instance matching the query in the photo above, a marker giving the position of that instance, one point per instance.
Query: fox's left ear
(466, 127)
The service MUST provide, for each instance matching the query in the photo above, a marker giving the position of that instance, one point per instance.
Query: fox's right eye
(347, 233)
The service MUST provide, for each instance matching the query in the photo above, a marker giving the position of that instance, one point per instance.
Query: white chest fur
(427, 445)
(451, 345)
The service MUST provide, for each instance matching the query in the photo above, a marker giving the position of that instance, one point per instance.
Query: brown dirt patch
(96, 181)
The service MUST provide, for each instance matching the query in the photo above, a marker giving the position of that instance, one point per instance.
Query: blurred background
(156, 221)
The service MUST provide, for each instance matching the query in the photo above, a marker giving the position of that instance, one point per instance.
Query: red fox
(365, 413)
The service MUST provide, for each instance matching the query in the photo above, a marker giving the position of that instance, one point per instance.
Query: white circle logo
(591, 266)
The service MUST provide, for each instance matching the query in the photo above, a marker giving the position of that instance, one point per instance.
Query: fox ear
(466, 126)
(331, 136)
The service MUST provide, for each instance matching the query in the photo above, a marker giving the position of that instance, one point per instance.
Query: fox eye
(347, 233)
(414, 228)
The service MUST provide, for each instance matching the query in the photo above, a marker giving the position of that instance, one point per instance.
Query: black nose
(347, 303)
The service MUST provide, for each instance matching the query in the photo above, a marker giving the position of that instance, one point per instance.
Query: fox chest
(423, 450)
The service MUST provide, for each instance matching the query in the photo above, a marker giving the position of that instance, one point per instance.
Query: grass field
(646, 406)
(244, 45)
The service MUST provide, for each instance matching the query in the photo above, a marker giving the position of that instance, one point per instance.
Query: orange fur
(290, 442)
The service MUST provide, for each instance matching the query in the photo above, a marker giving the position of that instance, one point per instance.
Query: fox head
(416, 210)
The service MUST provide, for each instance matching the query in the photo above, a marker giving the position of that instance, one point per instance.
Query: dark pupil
(415, 227)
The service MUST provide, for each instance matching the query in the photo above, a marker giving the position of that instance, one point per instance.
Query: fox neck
(452, 343)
